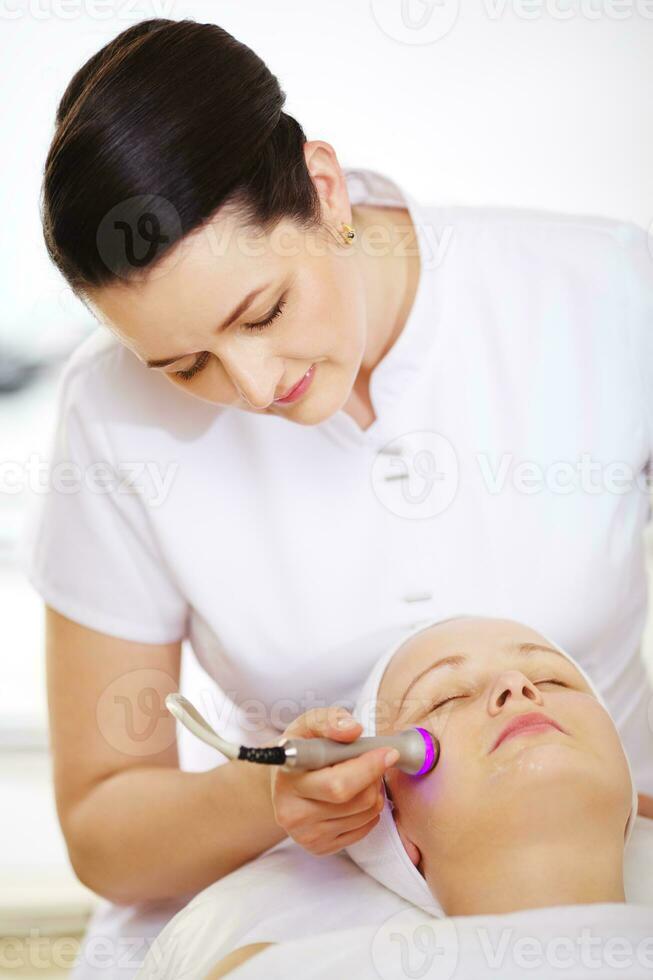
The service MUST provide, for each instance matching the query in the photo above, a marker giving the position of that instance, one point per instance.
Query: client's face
(465, 680)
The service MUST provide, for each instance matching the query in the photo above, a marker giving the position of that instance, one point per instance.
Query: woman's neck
(390, 273)
(576, 870)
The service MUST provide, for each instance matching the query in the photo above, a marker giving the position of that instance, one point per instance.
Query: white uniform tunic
(505, 474)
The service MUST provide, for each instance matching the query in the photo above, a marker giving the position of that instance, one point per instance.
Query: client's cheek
(424, 802)
(423, 811)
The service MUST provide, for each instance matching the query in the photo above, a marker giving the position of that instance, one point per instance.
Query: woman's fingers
(325, 809)
(323, 722)
(325, 841)
(368, 798)
(344, 781)
(318, 835)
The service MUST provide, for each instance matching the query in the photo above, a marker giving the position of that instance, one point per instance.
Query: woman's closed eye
(464, 694)
(203, 358)
(262, 324)
(194, 368)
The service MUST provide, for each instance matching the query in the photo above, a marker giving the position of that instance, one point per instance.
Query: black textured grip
(271, 756)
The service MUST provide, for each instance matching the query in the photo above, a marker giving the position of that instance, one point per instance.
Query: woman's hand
(326, 809)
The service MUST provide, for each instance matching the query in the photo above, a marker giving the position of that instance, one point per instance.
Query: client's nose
(513, 684)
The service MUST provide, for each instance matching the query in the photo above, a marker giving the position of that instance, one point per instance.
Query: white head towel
(381, 853)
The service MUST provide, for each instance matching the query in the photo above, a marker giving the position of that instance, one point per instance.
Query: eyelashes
(262, 324)
(457, 697)
(438, 704)
(197, 366)
(203, 358)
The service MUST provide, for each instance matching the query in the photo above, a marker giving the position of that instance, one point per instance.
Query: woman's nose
(255, 378)
(512, 684)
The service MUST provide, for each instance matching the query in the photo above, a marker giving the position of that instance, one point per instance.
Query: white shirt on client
(504, 474)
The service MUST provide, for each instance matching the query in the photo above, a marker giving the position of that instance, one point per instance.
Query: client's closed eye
(438, 704)
(456, 697)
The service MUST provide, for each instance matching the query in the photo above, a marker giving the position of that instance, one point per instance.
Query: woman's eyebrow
(235, 313)
(458, 659)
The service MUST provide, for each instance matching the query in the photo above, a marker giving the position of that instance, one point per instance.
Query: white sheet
(287, 893)
(577, 942)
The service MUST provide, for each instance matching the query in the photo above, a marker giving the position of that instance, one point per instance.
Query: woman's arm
(230, 962)
(136, 826)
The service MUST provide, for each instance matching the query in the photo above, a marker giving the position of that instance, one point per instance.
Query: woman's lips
(529, 721)
(297, 390)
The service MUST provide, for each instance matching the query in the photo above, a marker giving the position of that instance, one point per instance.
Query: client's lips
(530, 719)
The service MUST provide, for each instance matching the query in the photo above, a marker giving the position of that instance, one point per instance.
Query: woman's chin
(311, 409)
(302, 415)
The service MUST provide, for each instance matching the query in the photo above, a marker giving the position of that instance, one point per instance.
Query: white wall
(523, 102)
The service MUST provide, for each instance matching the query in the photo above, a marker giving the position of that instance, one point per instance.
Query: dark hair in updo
(163, 126)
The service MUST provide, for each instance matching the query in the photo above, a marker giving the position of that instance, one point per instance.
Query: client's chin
(542, 785)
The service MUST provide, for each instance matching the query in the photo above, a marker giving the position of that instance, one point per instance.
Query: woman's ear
(412, 850)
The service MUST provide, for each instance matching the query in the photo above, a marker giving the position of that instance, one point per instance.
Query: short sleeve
(87, 545)
(637, 255)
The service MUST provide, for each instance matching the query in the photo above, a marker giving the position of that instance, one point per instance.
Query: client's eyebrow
(458, 659)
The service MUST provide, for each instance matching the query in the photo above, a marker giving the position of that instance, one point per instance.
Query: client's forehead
(471, 636)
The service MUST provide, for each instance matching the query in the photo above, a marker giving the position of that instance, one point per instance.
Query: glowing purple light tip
(429, 757)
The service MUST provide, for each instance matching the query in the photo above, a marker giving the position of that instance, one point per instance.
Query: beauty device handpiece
(419, 750)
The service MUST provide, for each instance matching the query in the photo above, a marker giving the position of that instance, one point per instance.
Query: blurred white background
(525, 104)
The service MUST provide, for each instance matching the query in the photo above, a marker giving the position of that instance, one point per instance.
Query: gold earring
(348, 233)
